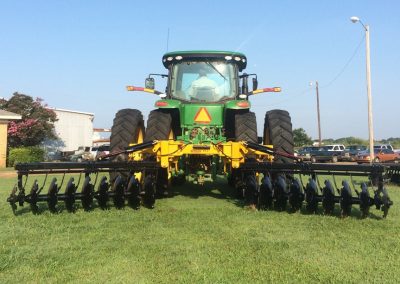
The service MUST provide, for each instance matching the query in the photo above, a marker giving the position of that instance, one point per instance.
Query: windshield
(209, 81)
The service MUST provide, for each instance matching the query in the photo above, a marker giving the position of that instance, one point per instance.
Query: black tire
(160, 127)
(128, 128)
(278, 132)
(246, 127)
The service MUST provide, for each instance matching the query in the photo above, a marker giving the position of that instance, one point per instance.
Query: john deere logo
(202, 116)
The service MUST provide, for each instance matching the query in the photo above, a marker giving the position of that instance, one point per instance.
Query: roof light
(244, 60)
(237, 58)
(178, 57)
(170, 58)
(243, 96)
(228, 57)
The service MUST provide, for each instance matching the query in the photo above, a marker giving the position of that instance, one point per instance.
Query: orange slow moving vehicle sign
(202, 116)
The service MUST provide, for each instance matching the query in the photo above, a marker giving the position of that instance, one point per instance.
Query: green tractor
(205, 103)
(203, 127)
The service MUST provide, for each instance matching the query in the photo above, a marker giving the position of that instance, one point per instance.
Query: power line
(347, 64)
(332, 81)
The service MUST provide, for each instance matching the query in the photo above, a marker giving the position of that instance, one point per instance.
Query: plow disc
(282, 184)
(87, 189)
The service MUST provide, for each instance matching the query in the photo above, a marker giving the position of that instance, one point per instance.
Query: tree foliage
(395, 142)
(37, 122)
(350, 141)
(301, 138)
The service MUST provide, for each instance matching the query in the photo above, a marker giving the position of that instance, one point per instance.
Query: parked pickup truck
(304, 153)
(351, 152)
(327, 153)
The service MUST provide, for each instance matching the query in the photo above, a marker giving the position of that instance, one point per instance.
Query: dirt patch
(8, 174)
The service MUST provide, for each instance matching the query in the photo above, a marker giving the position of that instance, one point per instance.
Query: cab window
(210, 81)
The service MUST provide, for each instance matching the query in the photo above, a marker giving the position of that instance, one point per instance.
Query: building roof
(7, 115)
(71, 111)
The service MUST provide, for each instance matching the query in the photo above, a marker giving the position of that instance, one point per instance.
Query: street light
(370, 125)
(319, 121)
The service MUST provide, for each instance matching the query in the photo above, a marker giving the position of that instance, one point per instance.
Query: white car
(103, 150)
(93, 152)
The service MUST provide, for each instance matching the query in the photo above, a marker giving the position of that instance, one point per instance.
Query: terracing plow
(153, 166)
(202, 127)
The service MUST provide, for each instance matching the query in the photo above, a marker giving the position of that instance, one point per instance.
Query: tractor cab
(205, 77)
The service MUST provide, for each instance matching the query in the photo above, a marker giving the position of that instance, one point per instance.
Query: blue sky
(80, 55)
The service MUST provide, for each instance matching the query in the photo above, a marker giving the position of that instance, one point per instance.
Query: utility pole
(319, 120)
(370, 124)
(368, 65)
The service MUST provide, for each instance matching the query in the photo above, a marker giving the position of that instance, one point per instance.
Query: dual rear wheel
(128, 128)
(277, 132)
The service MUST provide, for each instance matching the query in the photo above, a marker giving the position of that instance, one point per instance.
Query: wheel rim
(171, 135)
(140, 136)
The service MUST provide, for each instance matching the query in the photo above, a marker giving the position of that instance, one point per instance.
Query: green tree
(301, 138)
(351, 141)
(395, 142)
(37, 122)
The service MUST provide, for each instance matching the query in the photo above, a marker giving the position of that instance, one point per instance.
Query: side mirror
(149, 83)
(255, 84)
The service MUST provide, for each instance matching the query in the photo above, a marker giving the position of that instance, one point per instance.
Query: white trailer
(74, 128)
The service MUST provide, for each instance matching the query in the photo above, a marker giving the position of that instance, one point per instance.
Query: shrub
(25, 155)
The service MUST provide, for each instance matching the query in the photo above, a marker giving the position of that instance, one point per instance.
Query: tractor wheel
(246, 127)
(128, 128)
(160, 127)
(278, 132)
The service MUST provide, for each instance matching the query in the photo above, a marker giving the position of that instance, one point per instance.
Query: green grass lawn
(201, 235)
